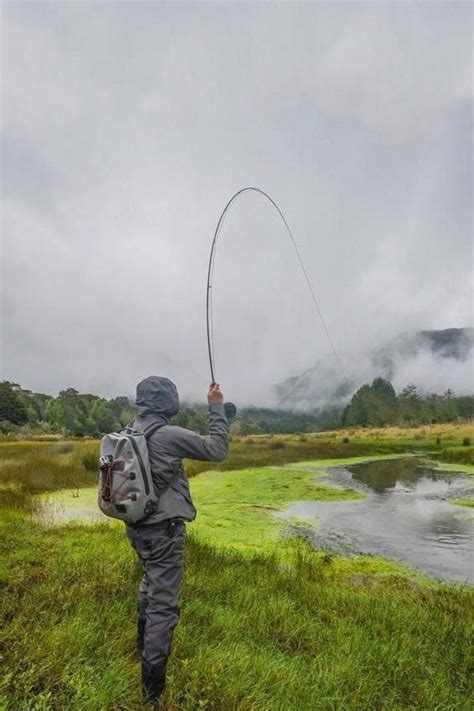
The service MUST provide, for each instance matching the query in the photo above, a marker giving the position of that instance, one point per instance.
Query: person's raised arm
(214, 446)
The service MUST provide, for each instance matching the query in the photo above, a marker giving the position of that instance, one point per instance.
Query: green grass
(267, 624)
(253, 634)
(464, 468)
(235, 508)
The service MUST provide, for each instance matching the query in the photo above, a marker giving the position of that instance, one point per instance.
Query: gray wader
(160, 548)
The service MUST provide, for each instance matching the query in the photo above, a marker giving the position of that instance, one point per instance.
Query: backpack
(126, 489)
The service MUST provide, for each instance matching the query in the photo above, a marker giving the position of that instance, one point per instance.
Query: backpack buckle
(105, 461)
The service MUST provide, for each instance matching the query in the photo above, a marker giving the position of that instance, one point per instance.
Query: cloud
(435, 375)
(126, 128)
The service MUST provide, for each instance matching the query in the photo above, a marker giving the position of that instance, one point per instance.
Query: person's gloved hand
(214, 396)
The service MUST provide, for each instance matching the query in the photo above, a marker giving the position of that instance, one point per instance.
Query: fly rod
(210, 270)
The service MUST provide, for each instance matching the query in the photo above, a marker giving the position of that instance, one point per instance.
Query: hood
(157, 396)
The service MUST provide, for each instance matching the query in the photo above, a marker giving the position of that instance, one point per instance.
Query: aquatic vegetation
(463, 502)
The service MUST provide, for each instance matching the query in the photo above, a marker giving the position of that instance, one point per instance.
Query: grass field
(266, 624)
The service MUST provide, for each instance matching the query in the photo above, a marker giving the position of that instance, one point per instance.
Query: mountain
(434, 360)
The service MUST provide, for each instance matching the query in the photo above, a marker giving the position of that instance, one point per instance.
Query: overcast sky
(126, 128)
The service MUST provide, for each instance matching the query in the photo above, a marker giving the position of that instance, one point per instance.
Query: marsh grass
(89, 461)
(463, 455)
(277, 444)
(253, 634)
(63, 448)
(235, 508)
(28, 468)
(281, 630)
(443, 442)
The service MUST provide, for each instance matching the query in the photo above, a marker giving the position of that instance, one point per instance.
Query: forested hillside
(24, 412)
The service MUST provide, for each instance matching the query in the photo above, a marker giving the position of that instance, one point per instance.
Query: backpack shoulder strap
(149, 431)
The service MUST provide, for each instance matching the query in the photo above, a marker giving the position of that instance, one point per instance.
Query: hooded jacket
(158, 401)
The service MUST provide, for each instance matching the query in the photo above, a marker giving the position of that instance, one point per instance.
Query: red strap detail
(108, 493)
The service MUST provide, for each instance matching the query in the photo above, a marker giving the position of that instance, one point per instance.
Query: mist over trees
(74, 414)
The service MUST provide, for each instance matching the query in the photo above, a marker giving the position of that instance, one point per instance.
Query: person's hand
(214, 396)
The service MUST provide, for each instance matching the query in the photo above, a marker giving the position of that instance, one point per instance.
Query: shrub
(466, 442)
(438, 440)
(346, 440)
(302, 438)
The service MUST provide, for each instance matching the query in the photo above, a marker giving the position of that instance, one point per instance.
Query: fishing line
(210, 274)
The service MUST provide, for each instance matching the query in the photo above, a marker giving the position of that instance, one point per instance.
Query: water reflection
(387, 473)
(407, 516)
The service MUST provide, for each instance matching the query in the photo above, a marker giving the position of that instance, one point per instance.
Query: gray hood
(157, 396)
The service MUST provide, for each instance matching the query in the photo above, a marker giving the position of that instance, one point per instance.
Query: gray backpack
(126, 489)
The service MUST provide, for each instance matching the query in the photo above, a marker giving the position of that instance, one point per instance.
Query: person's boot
(140, 635)
(153, 680)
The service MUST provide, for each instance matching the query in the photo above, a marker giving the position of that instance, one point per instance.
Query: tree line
(79, 415)
(378, 405)
(70, 412)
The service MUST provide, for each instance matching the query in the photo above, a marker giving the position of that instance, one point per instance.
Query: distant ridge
(322, 384)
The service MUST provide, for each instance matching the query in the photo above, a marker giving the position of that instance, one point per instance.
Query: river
(406, 516)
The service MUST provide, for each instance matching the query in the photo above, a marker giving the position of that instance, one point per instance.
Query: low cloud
(126, 128)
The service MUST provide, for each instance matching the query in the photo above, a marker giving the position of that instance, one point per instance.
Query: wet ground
(70, 506)
(406, 516)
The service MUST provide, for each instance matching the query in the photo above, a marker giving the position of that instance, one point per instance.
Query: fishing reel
(230, 410)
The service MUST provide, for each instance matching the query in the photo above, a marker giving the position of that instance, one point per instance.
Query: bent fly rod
(230, 407)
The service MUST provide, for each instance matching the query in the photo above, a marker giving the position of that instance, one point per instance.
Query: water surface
(406, 516)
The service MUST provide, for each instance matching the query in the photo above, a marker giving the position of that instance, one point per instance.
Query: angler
(143, 483)
(156, 515)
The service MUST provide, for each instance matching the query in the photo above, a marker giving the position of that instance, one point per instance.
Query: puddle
(69, 505)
